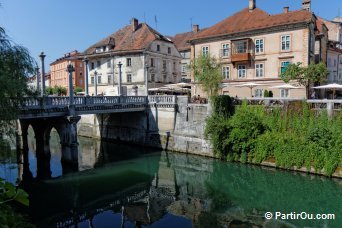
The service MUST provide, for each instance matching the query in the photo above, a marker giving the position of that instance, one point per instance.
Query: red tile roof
(181, 40)
(245, 20)
(125, 39)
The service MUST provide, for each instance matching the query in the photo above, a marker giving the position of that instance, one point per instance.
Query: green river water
(126, 186)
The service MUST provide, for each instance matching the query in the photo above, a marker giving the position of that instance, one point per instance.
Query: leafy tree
(207, 71)
(313, 73)
(49, 90)
(16, 65)
(78, 90)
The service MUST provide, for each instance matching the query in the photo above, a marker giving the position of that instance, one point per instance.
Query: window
(129, 62)
(92, 80)
(164, 77)
(169, 50)
(129, 78)
(152, 62)
(174, 66)
(241, 47)
(283, 66)
(164, 64)
(205, 51)
(184, 66)
(242, 71)
(225, 72)
(92, 66)
(259, 70)
(109, 79)
(99, 64)
(158, 47)
(284, 93)
(259, 45)
(225, 50)
(183, 54)
(285, 43)
(258, 93)
(109, 63)
(99, 79)
(152, 78)
(335, 62)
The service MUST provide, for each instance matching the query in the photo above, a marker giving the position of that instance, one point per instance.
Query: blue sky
(59, 26)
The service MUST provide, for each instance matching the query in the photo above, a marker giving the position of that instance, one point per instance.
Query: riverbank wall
(170, 123)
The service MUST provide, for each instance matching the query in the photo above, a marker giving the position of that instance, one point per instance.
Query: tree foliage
(305, 75)
(207, 71)
(16, 65)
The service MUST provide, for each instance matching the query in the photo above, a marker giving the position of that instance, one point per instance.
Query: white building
(142, 51)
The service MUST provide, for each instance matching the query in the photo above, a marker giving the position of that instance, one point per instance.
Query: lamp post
(146, 79)
(86, 61)
(42, 76)
(95, 82)
(37, 78)
(120, 75)
(70, 69)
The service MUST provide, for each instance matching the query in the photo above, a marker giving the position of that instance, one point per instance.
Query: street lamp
(42, 56)
(120, 75)
(70, 69)
(86, 61)
(146, 79)
(95, 82)
(37, 78)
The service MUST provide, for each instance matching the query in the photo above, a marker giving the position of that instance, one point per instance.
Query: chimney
(286, 9)
(306, 5)
(195, 28)
(134, 24)
(251, 5)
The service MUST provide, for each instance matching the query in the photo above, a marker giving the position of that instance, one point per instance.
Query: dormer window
(158, 47)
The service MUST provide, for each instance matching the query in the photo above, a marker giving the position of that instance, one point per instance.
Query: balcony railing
(242, 50)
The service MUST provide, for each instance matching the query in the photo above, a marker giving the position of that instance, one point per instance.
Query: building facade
(254, 46)
(59, 75)
(184, 48)
(334, 64)
(140, 52)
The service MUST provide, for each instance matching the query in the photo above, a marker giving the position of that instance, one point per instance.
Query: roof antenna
(190, 23)
(156, 21)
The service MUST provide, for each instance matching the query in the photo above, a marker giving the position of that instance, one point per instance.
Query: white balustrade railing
(163, 99)
(32, 102)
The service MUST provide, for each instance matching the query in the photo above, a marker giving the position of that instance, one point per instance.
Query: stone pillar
(86, 86)
(37, 77)
(95, 82)
(146, 79)
(70, 69)
(43, 154)
(42, 76)
(119, 81)
(330, 109)
(69, 141)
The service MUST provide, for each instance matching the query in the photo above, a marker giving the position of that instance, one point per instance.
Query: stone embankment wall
(170, 123)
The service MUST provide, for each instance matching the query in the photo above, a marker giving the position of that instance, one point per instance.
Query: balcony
(242, 50)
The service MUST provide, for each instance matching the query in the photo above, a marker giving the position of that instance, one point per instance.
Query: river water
(126, 186)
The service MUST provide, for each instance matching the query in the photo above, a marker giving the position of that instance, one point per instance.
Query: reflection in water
(125, 186)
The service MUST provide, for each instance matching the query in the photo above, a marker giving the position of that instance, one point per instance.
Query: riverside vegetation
(290, 136)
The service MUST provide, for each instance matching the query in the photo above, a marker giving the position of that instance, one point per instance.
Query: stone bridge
(62, 114)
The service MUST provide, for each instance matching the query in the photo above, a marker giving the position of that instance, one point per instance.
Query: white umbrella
(181, 84)
(250, 85)
(286, 87)
(332, 86)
